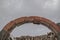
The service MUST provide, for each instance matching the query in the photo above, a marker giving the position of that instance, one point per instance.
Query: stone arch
(32, 19)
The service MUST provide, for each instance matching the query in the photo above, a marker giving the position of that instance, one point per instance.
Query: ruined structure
(54, 35)
(49, 36)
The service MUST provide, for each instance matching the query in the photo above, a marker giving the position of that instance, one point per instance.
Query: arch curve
(32, 19)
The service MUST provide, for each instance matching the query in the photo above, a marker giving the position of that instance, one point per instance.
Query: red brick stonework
(54, 35)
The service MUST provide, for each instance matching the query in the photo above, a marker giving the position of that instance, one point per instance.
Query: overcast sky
(12, 9)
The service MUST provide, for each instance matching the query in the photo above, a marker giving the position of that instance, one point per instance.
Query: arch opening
(30, 29)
